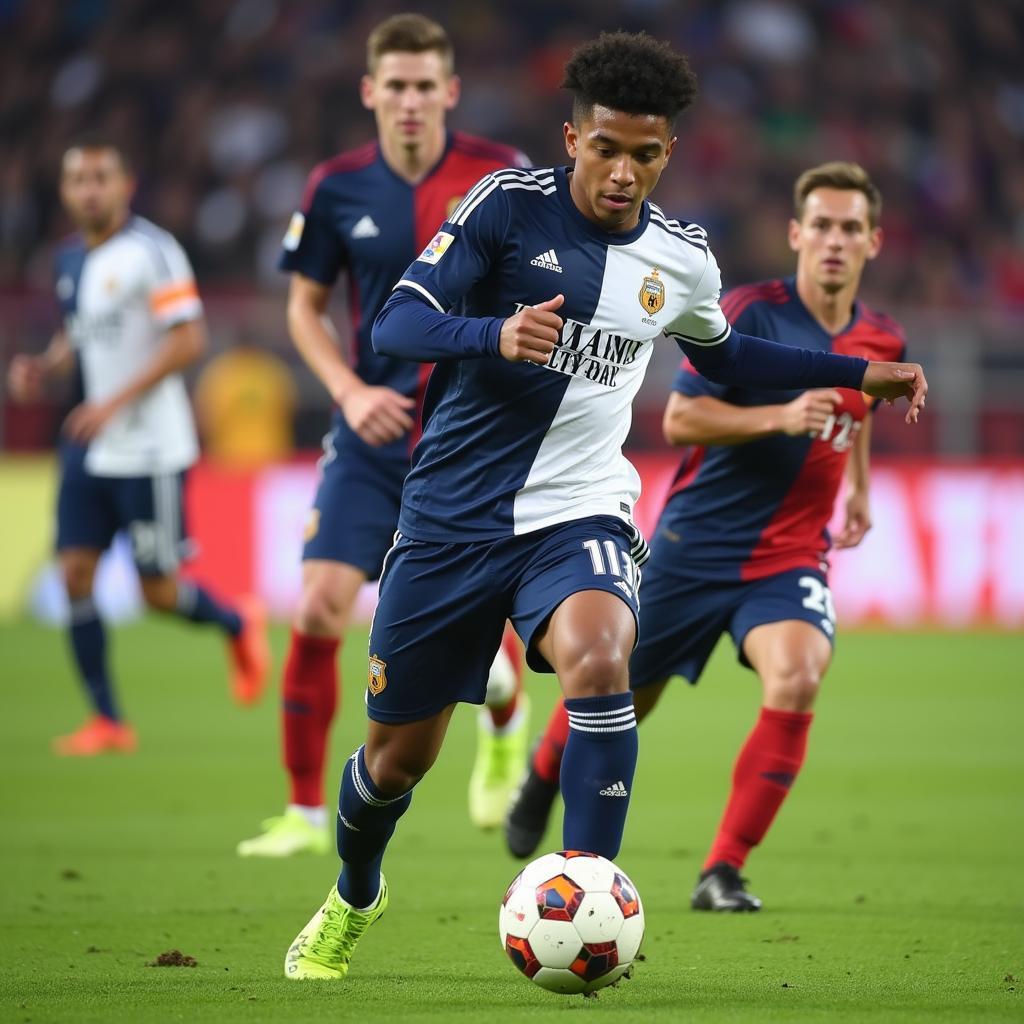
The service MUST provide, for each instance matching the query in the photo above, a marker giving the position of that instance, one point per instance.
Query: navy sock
(197, 605)
(89, 645)
(366, 822)
(597, 772)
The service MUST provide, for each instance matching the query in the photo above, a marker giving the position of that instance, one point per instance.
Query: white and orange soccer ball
(572, 922)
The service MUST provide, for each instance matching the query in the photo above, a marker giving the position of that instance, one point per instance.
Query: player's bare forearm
(59, 357)
(706, 420)
(27, 375)
(858, 466)
(183, 345)
(315, 338)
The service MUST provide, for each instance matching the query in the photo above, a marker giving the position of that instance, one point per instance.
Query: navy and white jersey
(118, 299)
(360, 218)
(509, 448)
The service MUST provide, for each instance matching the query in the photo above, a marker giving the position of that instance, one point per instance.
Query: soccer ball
(571, 922)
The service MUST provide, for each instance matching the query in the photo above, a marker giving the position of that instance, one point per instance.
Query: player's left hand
(86, 420)
(890, 381)
(858, 521)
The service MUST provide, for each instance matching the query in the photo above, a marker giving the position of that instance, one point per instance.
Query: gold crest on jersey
(652, 292)
(378, 677)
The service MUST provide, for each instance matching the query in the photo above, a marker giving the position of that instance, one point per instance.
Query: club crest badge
(652, 293)
(378, 677)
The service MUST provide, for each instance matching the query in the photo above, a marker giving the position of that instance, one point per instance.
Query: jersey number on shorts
(609, 560)
(819, 597)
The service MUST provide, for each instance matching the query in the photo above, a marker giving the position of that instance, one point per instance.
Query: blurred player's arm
(702, 419)
(183, 344)
(727, 356)
(857, 513)
(27, 375)
(378, 415)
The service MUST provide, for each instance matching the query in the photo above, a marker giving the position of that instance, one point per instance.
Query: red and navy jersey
(359, 217)
(751, 510)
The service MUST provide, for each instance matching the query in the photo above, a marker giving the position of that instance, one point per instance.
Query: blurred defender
(742, 542)
(367, 213)
(133, 317)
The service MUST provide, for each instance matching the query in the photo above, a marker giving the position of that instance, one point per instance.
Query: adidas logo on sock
(615, 789)
(548, 261)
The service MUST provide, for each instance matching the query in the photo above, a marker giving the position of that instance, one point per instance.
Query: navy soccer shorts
(355, 510)
(684, 616)
(443, 607)
(150, 509)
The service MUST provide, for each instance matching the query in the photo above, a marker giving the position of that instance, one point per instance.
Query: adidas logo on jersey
(365, 228)
(615, 789)
(548, 261)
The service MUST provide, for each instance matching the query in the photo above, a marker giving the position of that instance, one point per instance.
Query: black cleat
(527, 817)
(722, 888)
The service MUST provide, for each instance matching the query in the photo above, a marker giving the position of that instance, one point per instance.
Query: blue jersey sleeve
(690, 382)
(415, 322)
(312, 245)
(463, 250)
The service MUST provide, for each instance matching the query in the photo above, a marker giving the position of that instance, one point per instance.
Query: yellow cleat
(500, 763)
(285, 836)
(323, 949)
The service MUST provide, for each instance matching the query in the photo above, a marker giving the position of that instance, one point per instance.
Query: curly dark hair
(630, 72)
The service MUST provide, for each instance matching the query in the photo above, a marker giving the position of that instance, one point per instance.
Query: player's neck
(97, 236)
(411, 163)
(832, 309)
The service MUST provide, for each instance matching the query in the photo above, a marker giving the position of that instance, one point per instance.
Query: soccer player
(742, 543)
(367, 213)
(518, 504)
(132, 322)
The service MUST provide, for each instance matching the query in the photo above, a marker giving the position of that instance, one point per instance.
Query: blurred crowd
(225, 105)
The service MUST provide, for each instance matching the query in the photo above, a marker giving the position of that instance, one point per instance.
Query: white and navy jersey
(509, 448)
(118, 300)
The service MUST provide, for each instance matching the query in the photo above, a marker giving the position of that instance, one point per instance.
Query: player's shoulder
(141, 237)
(477, 148)
(144, 231)
(738, 300)
(523, 183)
(69, 247)
(340, 171)
(883, 323)
(686, 233)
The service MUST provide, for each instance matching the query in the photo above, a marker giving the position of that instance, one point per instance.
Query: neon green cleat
(500, 764)
(323, 949)
(285, 836)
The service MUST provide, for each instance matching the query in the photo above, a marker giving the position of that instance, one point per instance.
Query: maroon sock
(547, 758)
(310, 699)
(765, 769)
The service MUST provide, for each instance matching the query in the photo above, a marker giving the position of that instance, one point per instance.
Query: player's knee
(78, 579)
(159, 592)
(793, 686)
(396, 772)
(596, 671)
(320, 612)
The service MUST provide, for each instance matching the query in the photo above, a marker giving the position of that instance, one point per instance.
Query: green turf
(893, 882)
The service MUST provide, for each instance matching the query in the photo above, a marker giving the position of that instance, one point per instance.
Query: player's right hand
(25, 377)
(378, 415)
(531, 335)
(808, 414)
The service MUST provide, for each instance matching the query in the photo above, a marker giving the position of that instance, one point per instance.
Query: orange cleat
(100, 735)
(250, 652)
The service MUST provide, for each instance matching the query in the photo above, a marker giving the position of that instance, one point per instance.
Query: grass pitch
(892, 881)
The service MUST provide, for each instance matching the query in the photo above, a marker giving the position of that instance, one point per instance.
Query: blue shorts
(355, 510)
(442, 608)
(683, 616)
(91, 509)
